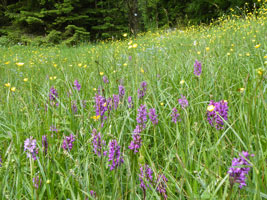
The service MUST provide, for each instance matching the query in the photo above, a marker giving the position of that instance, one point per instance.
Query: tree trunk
(133, 16)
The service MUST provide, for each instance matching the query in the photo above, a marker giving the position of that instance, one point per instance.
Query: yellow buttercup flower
(54, 77)
(142, 71)
(182, 82)
(130, 42)
(130, 47)
(7, 62)
(101, 73)
(25, 79)
(257, 46)
(96, 117)
(198, 52)
(124, 35)
(13, 89)
(210, 108)
(80, 64)
(125, 64)
(48, 181)
(247, 54)
(135, 45)
(207, 48)
(51, 78)
(260, 71)
(20, 64)
(7, 84)
(162, 104)
(228, 54)
(241, 89)
(55, 65)
(265, 57)
(94, 89)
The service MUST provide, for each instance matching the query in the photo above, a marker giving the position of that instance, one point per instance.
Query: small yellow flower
(182, 82)
(48, 181)
(51, 78)
(265, 56)
(228, 54)
(134, 45)
(7, 84)
(54, 77)
(142, 70)
(101, 73)
(7, 62)
(130, 42)
(247, 54)
(13, 89)
(260, 71)
(162, 104)
(231, 50)
(94, 89)
(25, 79)
(19, 64)
(124, 35)
(55, 65)
(241, 89)
(198, 52)
(207, 48)
(240, 55)
(257, 46)
(80, 64)
(84, 66)
(130, 47)
(125, 64)
(210, 108)
(96, 117)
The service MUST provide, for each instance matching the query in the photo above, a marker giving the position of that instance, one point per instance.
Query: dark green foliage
(54, 37)
(75, 35)
(205, 10)
(75, 21)
(5, 41)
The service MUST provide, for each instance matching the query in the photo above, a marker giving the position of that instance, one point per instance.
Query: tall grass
(193, 156)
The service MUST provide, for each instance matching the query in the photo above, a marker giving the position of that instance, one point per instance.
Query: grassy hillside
(40, 97)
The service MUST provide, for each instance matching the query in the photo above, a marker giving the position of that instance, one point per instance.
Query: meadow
(160, 116)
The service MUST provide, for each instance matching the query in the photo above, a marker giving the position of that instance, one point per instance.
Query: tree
(133, 16)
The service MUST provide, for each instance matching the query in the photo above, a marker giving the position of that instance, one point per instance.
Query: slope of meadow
(40, 97)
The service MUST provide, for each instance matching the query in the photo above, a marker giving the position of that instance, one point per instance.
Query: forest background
(44, 22)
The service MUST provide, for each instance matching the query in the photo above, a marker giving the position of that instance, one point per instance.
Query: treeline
(73, 21)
